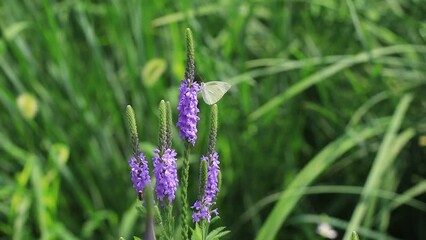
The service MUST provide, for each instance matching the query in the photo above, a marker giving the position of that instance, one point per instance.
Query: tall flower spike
(188, 102)
(209, 188)
(165, 168)
(138, 165)
(190, 64)
(131, 120)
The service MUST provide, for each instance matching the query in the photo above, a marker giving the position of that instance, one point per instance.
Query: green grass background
(322, 123)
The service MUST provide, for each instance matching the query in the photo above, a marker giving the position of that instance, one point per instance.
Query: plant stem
(204, 229)
(185, 173)
(170, 221)
(150, 231)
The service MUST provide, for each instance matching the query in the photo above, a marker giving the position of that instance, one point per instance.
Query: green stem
(150, 231)
(185, 173)
(204, 229)
(170, 222)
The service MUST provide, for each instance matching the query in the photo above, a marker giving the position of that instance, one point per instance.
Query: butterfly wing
(213, 91)
(206, 97)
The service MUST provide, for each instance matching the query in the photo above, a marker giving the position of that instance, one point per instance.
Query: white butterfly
(213, 91)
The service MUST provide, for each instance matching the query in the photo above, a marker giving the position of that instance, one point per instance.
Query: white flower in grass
(325, 230)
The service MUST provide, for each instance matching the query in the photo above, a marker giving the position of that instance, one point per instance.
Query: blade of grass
(128, 221)
(397, 200)
(400, 141)
(287, 64)
(383, 158)
(408, 195)
(308, 174)
(328, 72)
(357, 24)
(366, 106)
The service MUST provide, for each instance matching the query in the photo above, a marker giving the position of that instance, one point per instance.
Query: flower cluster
(139, 172)
(165, 161)
(188, 110)
(165, 171)
(202, 206)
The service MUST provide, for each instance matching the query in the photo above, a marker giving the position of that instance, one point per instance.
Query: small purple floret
(165, 171)
(188, 110)
(139, 172)
(202, 207)
(201, 211)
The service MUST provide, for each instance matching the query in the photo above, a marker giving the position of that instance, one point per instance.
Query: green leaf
(197, 234)
(217, 233)
(140, 208)
(223, 233)
(214, 219)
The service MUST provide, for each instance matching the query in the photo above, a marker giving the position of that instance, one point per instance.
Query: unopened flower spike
(165, 167)
(213, 129)
(162, 141)
(133, 130)
(202, 207)
(169, 122)
(355, 236)
(203, 177)
(188, 102)
(190, 64)
(138, 164)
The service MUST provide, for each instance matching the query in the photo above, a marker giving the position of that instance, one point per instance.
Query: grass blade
(380, 164)
(328, 72)
(309, 173)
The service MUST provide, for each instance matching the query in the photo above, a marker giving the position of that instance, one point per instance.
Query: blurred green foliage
(313, 112)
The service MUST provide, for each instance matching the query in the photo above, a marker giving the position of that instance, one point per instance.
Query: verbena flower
(139, 172)
(188, 110)
(165, 171)
(202, 207)
(201, 211)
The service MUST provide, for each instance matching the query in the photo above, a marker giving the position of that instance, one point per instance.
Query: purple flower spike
(201, 211)
(165, 171)
(139, 172)
(188, 110)
(202, 207)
